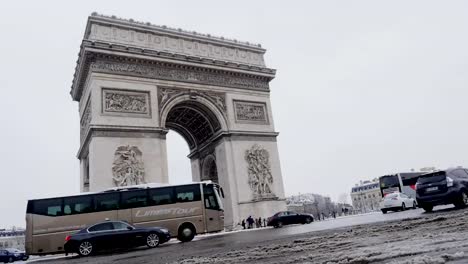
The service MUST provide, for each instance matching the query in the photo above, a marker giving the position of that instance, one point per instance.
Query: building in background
(13, 238)
(318, 205)
(365, 196)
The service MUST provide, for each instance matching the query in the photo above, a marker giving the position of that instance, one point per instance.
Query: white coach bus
(185, 210)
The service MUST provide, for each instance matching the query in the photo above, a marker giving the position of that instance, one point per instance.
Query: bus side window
(49, 207)
(161, 196)
(188, 193)
(105, 202)
(77, 205)
(132, 199)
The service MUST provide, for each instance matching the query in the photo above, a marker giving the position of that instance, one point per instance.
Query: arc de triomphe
(135, 81)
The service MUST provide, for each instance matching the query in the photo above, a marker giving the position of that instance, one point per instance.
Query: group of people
(251, 222)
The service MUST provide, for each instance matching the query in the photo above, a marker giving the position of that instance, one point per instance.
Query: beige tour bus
(185, 210)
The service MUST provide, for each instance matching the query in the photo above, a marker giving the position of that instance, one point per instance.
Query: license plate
(431, 189)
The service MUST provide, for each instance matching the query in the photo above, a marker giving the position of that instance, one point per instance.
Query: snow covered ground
(440, 237)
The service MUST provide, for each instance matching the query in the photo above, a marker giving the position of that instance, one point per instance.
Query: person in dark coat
(243, 223)
(250, 221)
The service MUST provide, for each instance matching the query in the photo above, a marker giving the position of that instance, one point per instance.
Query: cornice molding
(118, 131)
(103, 62)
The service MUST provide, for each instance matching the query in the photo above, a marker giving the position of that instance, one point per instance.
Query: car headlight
(164, 230)
(16, 255)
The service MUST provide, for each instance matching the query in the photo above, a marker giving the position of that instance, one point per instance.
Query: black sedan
(11, 254)
(114, 234)
(287, 218)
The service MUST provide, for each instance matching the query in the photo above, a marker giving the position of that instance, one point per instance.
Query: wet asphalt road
(211, 244)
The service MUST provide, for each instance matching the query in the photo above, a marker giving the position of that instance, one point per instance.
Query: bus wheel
(186, 233)
(85, 248)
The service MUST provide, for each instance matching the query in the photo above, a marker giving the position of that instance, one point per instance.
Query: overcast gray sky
(363, 88)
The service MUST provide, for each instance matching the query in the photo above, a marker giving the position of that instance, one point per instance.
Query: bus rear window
(432, 177)
(389, 181)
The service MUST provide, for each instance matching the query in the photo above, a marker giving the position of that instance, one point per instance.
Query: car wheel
(186, 233)
(85, 248)
(10, 260)
(308, 220)
(414, 205)
(462, 201)
(428, 208)
(279, 224)
(152, 240)
(403, 207)
(384, 211)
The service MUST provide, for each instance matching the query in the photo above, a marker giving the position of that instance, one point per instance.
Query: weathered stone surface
(142, 80)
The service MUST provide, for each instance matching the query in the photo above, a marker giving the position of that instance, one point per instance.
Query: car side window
(120, 226)
(101, 227)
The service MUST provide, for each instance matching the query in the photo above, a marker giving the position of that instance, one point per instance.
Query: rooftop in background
(11, 233)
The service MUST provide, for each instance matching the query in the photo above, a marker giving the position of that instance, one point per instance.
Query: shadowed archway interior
(195, 122)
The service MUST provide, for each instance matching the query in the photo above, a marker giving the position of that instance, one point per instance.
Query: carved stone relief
(168, 43)
(251, 112)
(85, 120)
(259, 172)
(166, 94)
(128, 167)
(174, 72)
(118, 101)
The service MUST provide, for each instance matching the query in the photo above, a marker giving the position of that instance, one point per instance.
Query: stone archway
(209, 171)
(135, 81)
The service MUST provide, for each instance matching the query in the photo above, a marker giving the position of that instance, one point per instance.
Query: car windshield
(432, 177)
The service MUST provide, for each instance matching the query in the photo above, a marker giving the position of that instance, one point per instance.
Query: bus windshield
(389, 184)
(389, 181)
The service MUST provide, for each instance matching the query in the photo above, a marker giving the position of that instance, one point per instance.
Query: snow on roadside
(432, 239)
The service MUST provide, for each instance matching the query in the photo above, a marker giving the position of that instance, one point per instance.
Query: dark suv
(443, 187)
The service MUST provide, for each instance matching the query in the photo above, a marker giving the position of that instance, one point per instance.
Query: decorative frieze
(259, 171)
(128, 167)
(85, 120)
(166, 41)
(181, 73)
(166, 94)
(250, 112)
(125, 102)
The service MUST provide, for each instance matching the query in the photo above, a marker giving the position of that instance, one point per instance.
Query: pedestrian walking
(264, 222)
(260, 222)
(243, 223)
(250, 222)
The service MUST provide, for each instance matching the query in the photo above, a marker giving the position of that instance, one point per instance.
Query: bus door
(214, 213)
